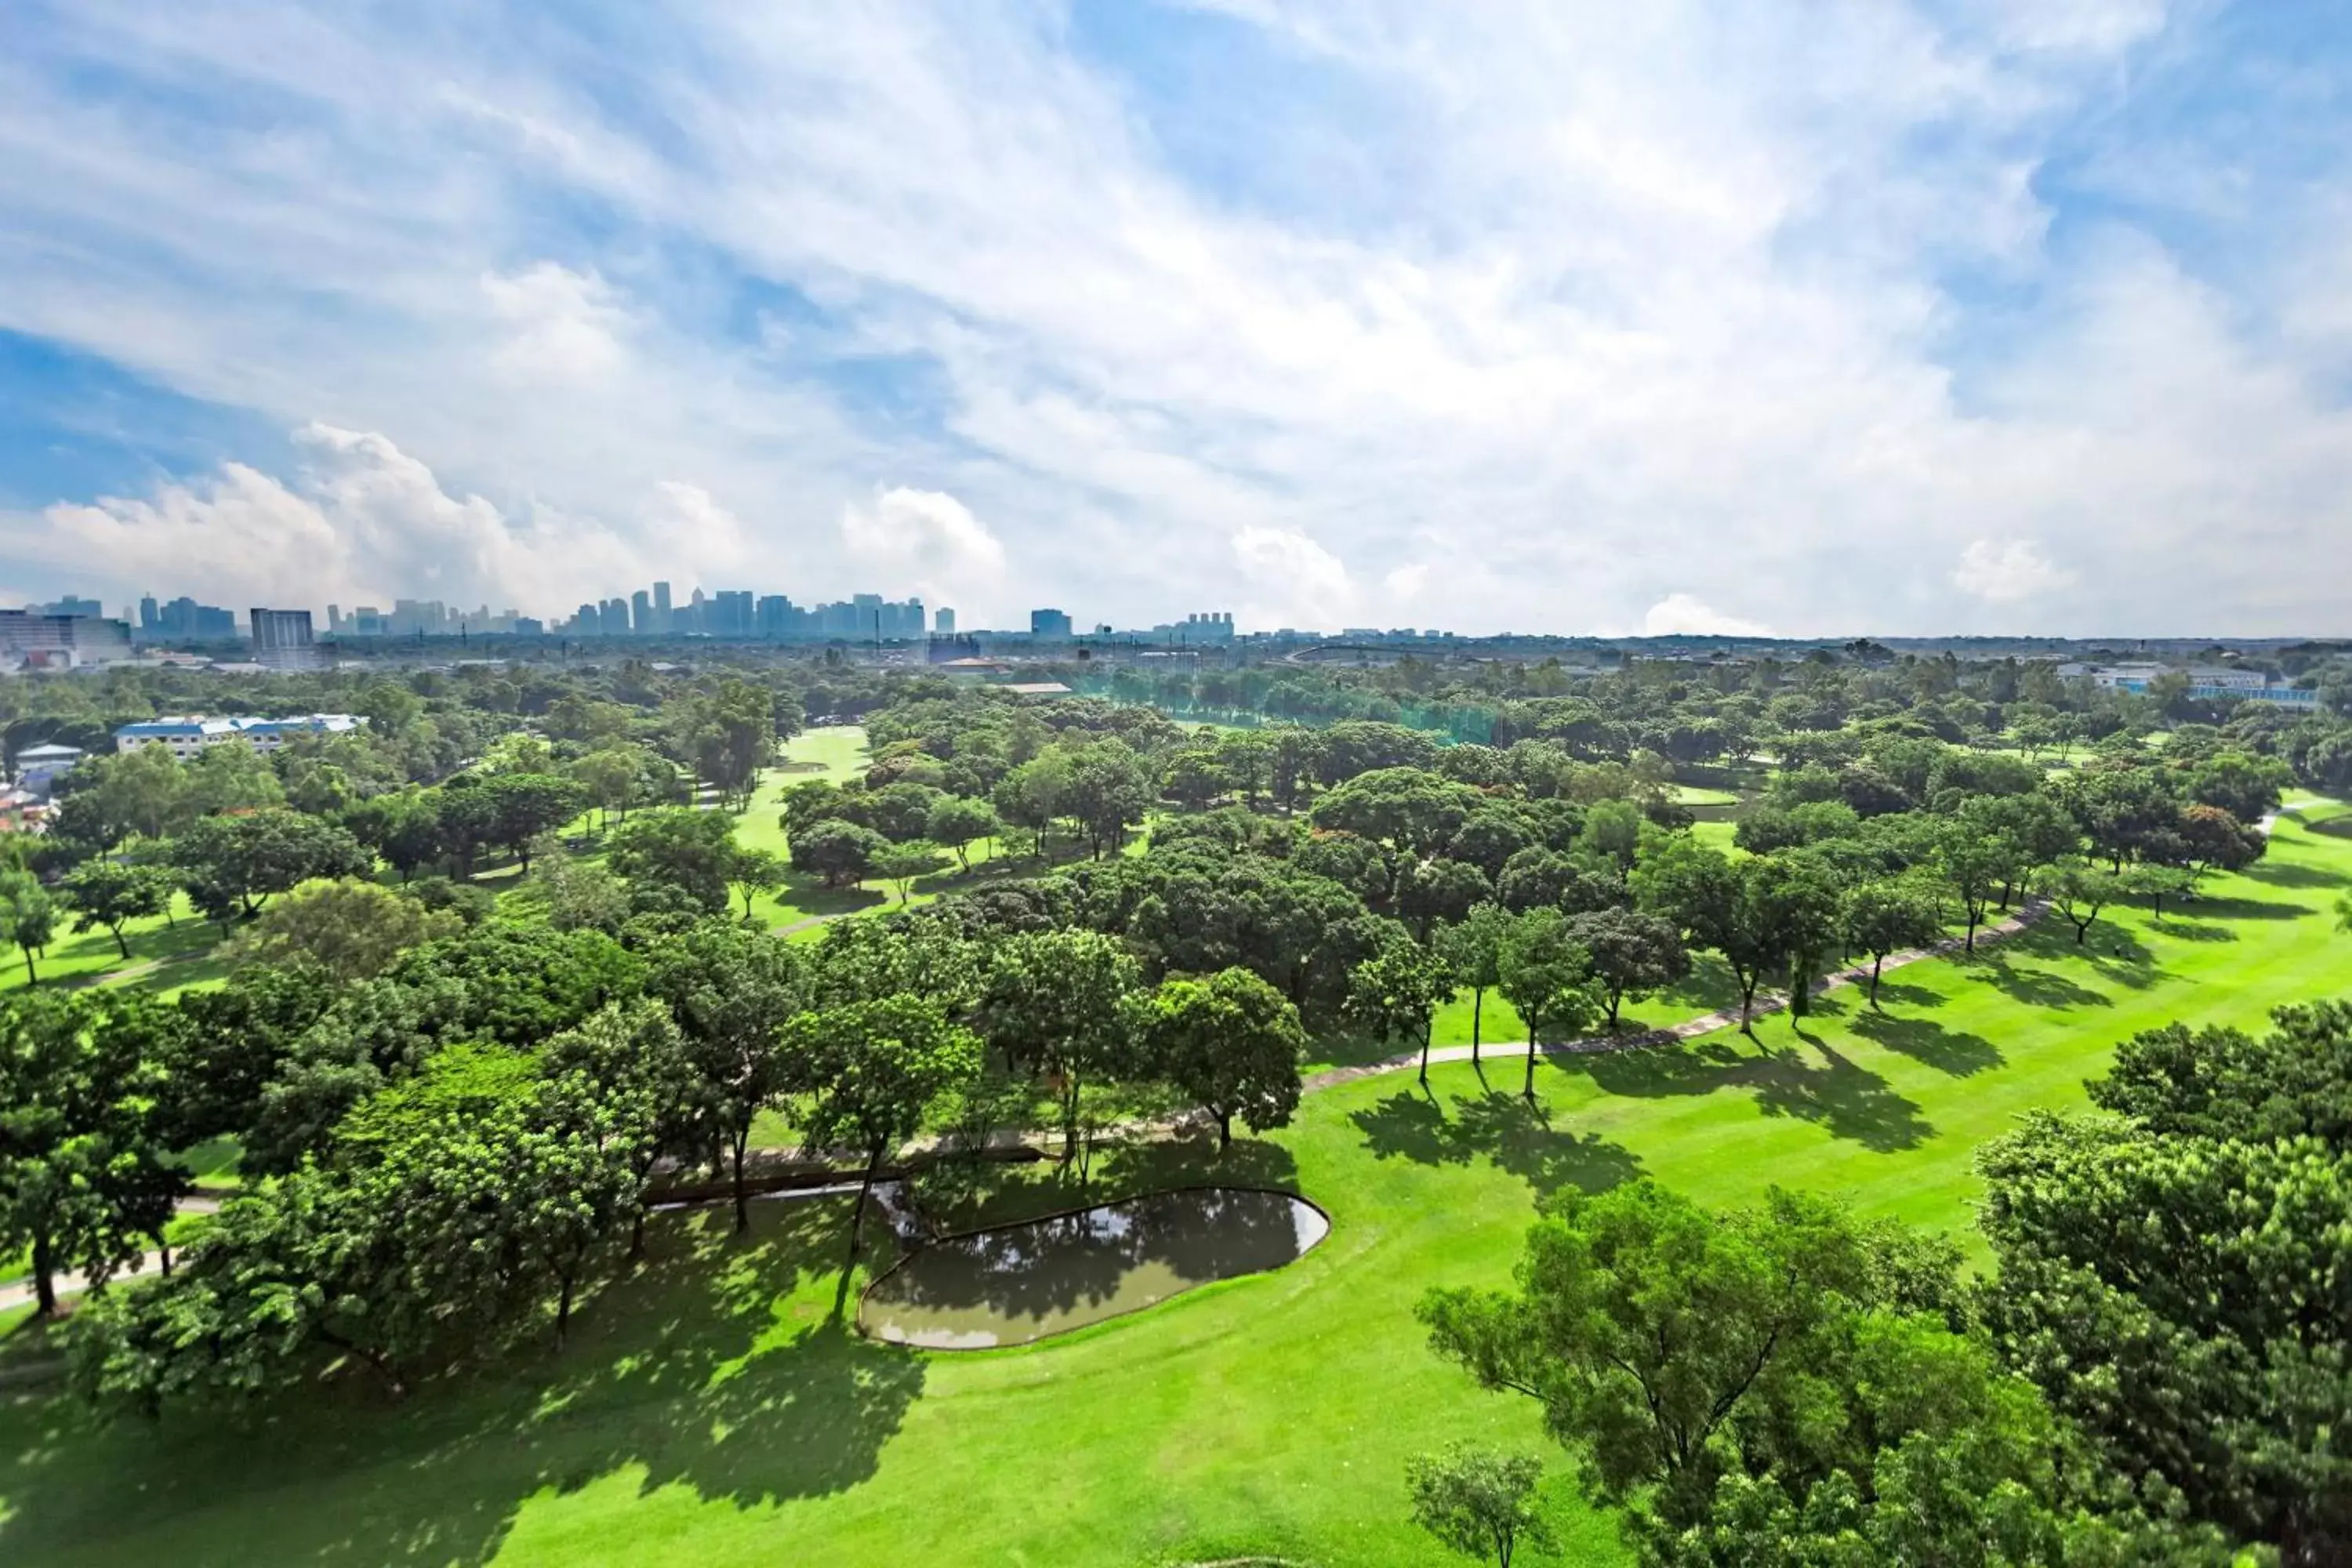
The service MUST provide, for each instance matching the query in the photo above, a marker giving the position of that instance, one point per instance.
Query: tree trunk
(865, 1186)
(44, 1285)
(1528, 1091)
(563, 1312)
(1426, 1030)
(1876, 964)
(122, 941)
(742, 1199)
(1224, 1129)
(30, 978)
(1477, 1007)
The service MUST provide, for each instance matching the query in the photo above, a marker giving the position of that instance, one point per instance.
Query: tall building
(943, 621)
(661, 608)
(334, 619)
(147, 614)
(183, 617)
(281, 639)
(641, 613)
(71, 605)
(1049, 626)
(42, 641)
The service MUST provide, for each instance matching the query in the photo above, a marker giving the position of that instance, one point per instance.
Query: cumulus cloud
(929, 543)
(2004, 572)
(1685, 615)
(1290, 580)
(362, 521)
(559, 324)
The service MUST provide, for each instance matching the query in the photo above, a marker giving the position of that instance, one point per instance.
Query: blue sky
(1819, 318)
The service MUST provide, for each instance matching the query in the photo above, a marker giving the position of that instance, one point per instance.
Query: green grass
(706, 1414)
(158, 949)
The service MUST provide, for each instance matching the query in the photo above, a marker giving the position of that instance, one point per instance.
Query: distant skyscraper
(334, 619)
(147, 620)
(661, 607)
(943, 622)
(281, 639)
(1053, 626)
(641, 612)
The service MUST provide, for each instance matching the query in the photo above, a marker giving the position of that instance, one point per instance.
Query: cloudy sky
(1984, 315)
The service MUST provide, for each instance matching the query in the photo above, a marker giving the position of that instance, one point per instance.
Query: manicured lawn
(86, 957)
(708, 1414)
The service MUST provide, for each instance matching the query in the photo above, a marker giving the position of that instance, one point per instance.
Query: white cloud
(363, 521)
(1290, 580)
(561, 325)
(1685, 615)
(2003, 571)
(929, 543)
(1532, 317)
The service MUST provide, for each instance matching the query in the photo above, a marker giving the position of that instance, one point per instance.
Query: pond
(1022, 1282)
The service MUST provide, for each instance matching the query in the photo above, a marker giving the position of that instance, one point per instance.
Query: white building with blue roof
(189, 736)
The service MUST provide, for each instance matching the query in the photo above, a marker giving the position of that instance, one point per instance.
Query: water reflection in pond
(1023, 1282)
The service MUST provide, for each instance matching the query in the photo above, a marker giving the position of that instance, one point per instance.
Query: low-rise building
(188, 736)
(39, 767)
(39, 640)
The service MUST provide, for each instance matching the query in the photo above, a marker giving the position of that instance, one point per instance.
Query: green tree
(1433, 890)
(85, 1181)
(231, 776)
(838, 851)
(526, 805)
(1395, 994)
(957, 822)
(1682, 1356)
(1974, 864)
(1473, 947)
(29, 917)
(351, 929)
(731, 992)
(2156, 883)
(676, 848)
(1630, 954)
(900, 865)
(755, 871)
(1548, 978)
(1107, 793)
(1057, 1002)
(1887, 916)
(1231, 1043)
(1479, 1502)
(613, 776)
(110, 894)
(1032, 796)
(234, 864)
(404, 826)
(877, 1067)
(2079, 889)
(2183, 1299)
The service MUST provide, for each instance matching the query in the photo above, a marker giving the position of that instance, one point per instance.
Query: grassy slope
(706, 1416)
(161, 953)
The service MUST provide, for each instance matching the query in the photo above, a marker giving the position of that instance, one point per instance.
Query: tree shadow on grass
(1654, 1072)
(2284, 876)
(1925, 1040)
(1850, 1102)
(1504, 1129)
(2034, 985)
(1893, 993)
(2246, 908)
(685, 1374)
(2181, 930)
